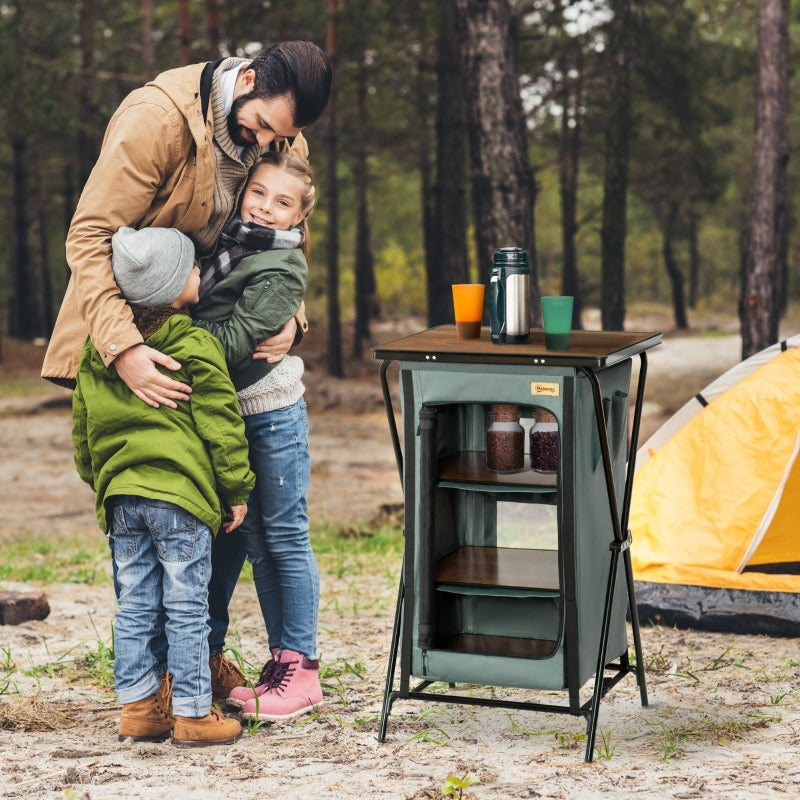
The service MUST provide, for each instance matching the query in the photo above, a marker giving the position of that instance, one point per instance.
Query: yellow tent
(716, 503)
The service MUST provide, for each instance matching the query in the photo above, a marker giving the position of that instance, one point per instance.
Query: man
(176, 154)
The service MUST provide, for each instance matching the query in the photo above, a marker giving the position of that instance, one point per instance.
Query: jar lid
(505, 413)
(543, 415)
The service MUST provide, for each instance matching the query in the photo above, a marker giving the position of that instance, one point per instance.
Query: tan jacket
(155, 169)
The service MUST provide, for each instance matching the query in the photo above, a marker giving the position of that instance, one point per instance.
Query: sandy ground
(723, 718)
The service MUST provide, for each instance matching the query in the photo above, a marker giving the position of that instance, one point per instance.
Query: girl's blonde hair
(294, 165)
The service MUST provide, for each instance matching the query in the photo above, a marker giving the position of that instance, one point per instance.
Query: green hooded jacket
(195, 456)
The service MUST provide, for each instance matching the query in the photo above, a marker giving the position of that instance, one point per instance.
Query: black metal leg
(388, 693)
(637, 639)
(626, 505)
(621, 543)
(601, 656)
(387, 404)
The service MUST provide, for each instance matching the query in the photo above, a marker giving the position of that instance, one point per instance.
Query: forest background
(616, 140)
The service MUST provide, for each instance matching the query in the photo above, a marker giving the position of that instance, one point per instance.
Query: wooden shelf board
(470, 467)
(513, 568)
(500, 645)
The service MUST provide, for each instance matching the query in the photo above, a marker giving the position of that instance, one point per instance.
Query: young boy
(162, 477)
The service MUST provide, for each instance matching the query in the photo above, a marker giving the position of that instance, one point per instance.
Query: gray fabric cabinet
(514, 580)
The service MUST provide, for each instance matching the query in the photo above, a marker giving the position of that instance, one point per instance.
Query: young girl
(251, 287)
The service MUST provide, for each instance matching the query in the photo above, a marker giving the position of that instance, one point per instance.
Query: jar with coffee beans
(505, 440)
(544, 442)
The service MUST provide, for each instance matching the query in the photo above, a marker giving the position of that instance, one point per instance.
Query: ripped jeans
(275, 530)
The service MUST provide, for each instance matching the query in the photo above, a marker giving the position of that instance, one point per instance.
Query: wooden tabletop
(586, 348)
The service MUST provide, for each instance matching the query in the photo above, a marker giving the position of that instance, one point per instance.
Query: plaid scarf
(239, 240)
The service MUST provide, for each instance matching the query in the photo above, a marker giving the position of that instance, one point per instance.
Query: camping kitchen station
(515, 579)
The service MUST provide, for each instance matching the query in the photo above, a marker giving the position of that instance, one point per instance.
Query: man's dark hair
(299, 70)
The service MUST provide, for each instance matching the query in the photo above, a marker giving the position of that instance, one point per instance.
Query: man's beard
(235, 130)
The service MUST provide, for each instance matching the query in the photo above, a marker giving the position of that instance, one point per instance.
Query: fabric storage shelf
(524, 577)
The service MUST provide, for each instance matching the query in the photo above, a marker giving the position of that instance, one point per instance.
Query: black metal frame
(619, 547)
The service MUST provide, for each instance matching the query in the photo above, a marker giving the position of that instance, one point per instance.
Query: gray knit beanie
(152, 265)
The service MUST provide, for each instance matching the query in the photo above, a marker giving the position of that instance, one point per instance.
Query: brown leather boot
(149, 720)
(225, 675)
(213, 728)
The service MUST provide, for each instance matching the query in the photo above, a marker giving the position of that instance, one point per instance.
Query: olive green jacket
(195, 456)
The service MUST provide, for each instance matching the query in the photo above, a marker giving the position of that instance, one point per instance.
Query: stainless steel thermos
(509, 297)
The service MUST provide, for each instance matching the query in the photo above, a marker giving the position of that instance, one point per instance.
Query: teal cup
(557, 322)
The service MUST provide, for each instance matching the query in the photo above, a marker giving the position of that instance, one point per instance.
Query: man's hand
(136, 367)
(277, 346)
(234, 518)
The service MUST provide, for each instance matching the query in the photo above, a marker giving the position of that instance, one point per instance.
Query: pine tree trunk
(20, 315)
(673, 270)
(503, 186)
(569, 162)
(87, 150)
(760, 306)
(694, 260)
(41, 285)
(450, 258)
(615, 179)
(366, 301)
(148, 45)
(185, 31)
(335, 365)
(212, 29)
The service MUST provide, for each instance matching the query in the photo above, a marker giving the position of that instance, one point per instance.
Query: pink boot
(241, 694)
(293, 691)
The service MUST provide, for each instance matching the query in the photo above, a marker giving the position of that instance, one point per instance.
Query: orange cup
(468, 307)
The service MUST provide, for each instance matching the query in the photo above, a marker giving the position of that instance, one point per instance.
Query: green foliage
(604, 749)
(400, 277)
(454, 786)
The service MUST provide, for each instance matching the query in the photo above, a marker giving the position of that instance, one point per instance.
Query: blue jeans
(162, 560)
(275, 530)
(227, 559)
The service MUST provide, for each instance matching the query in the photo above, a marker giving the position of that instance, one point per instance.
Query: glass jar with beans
(544, 442)
(505, 440)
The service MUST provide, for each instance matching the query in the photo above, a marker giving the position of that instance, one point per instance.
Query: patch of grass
(90, 664)
(373, 547)
(96, 666)
(671, 740)
(332, 676)
(571, 740)
(430, 735)
(357, 551)
(336, 543)
(725, 660)
(43, 561)
(605, 749)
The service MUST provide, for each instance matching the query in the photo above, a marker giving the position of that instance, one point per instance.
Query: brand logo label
(547, 389)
